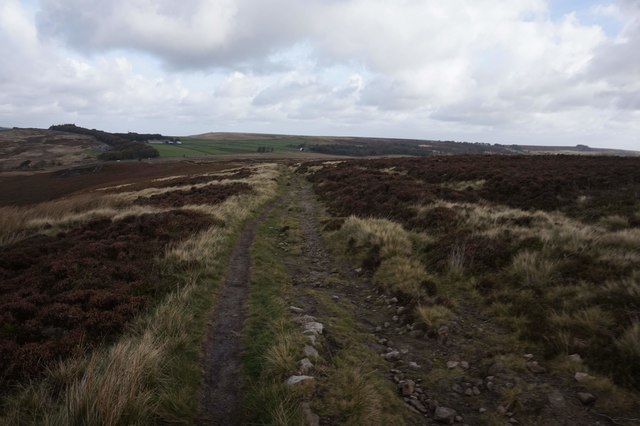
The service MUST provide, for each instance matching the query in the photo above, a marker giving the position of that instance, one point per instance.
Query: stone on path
(311, 352)
(296, 380)
(444, 415)
(586, 398)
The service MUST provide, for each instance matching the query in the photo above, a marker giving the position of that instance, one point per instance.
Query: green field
(202, 147)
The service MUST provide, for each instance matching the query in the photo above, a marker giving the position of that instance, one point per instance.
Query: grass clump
(383, 237)
(402, 276)
(433, 317)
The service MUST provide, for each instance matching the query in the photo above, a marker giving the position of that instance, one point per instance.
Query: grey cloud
(189, 34)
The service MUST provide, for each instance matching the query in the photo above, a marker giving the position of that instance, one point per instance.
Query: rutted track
(221, 400)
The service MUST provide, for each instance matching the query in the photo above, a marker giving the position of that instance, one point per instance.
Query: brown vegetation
(550, 244)
(65, 291)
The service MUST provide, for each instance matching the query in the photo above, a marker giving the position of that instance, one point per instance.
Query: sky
(544, 72)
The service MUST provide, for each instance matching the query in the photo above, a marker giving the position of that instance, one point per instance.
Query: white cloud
(419, 68)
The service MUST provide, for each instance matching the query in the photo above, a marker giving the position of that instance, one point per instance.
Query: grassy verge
(273, 341)
(151, 375)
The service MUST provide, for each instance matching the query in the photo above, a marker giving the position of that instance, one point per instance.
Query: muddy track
(223, 387)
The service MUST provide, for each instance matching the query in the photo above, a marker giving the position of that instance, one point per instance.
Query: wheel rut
(223, 386)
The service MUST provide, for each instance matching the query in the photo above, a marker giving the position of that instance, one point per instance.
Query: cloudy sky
(520, 71)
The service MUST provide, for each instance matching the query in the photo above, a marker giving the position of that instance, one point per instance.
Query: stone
(418, 406)
(297, 380)
(535, 368)
(556, 399)
(383, 341)
(468, 392)
(586, 398)
(528, 357)
(387, 324)
(391, 355)
(334, 297)
(452, 364)
(582, 377)
(501, 409)
(444, 415)
(414, 365)
(475, 390)
(432, 404)
(311, 352)
(401, 310)
(296, 310)
(490, 385)
(464, 365)
(310, 418)
(407, 388)
(395, 318)
(458, 419)
(378, 329)
(575, 358)
(457, 388)
(305, 365)
(312, 339)
(482, 410)
(513, 421)
(393, 300)
(313, 328)
(303, 319)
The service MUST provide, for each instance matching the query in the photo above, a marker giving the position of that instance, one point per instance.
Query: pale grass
(402, 275)
(461, 185)
(390, 237)
(586, 321)
(107, 188)
(614, 222)
(629, 343)
(354, 394)
(18, 222)
(282, 356)
(115, 386)
(532, 269)
(433, 317)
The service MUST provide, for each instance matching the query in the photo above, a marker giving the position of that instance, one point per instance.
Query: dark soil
(223, 388)
(210, 194)
(63, 293)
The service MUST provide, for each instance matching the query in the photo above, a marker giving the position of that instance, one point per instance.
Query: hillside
(372, 146)
(36, 149)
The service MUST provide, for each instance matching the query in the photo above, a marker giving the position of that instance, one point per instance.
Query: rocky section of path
(222, 394)
(460, 376)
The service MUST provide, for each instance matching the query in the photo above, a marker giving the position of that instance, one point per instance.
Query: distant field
(201, 147)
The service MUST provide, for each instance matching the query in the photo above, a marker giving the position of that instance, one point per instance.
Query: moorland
(473, 286)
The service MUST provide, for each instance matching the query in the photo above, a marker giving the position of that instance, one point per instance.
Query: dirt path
(222, 394)
(485, 387)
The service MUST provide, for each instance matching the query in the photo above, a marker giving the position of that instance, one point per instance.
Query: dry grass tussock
(433, 317)
(402, 276)
(127, 383)
(354, 394)
(391, 238)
